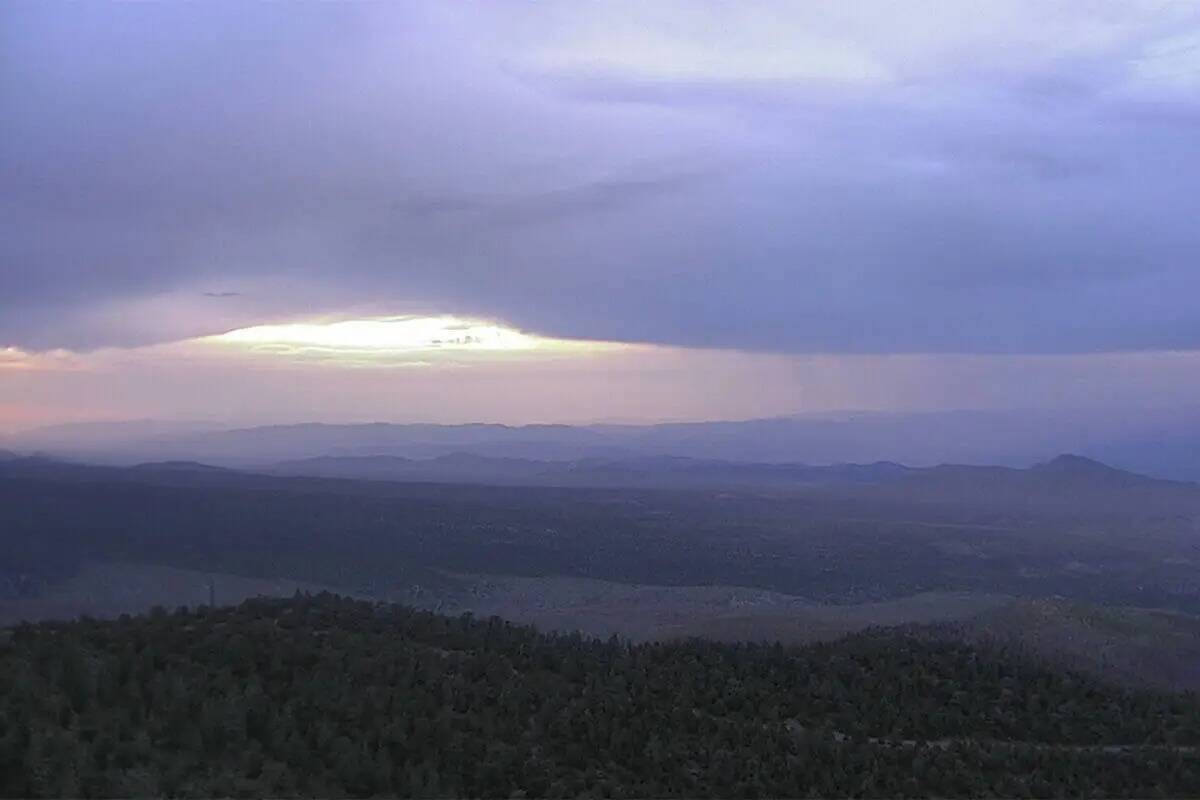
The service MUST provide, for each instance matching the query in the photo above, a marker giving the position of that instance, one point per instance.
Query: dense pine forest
(321, 695)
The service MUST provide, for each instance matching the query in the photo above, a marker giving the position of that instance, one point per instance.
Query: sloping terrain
(728, 564)
(562, 604)
(1067, 484)
(108, 589)
(725, 613)
(835, 545)
(1136, 646)
(323, 696)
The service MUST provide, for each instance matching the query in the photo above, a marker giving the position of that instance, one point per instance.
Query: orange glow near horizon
(12, 358)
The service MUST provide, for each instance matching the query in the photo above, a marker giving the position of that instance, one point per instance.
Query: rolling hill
(325, 696)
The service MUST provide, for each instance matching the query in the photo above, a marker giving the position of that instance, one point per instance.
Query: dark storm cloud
(759, 177)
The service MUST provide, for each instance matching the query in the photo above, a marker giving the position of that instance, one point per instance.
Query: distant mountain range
(1163, 443)
(648, 471)
(1067, 484)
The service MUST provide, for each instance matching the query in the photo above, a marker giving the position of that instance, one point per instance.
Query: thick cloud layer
(941, 177)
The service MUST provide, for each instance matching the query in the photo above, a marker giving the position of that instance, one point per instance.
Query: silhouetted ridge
(178, 466)
(1082, 470)
(1081, 465)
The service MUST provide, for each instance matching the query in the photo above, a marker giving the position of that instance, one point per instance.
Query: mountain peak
(1071, 462)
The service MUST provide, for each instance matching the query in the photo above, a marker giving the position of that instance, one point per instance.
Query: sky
(567, 212)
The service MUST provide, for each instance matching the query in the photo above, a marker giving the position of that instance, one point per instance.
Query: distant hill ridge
(179, 466)
(1072, 464)
(1160, 443)
(1067, 484)
(667, 471)
(1066, 472)
(676, 469)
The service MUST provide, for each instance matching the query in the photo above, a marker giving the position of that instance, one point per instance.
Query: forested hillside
(328, 696)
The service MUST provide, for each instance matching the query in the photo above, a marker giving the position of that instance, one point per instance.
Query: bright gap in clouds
(399, 336)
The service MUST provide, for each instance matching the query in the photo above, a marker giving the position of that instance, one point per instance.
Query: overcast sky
(779, 206)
